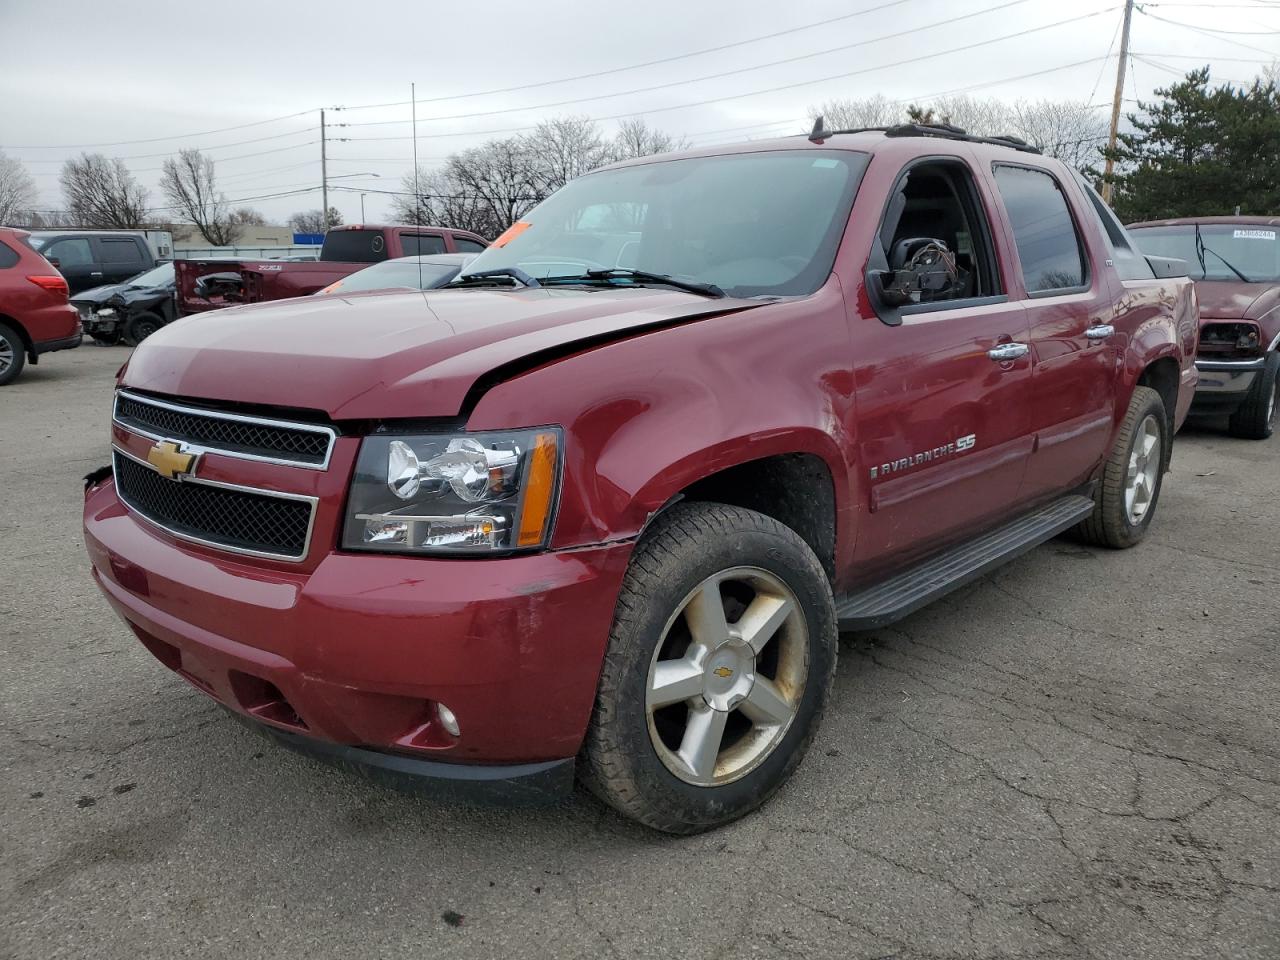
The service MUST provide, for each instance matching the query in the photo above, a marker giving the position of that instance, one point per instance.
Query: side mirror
(1168, 268)
(893, 290)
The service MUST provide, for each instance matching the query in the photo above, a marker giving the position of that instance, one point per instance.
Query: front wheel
(1256, 417)
(718, 668)
(140, 327)
(1125, 500)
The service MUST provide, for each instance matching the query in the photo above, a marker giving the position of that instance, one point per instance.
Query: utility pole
(324, 180)
(1115, 103)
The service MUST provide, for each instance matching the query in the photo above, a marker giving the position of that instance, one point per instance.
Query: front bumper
(348, 660)
(1224, 383)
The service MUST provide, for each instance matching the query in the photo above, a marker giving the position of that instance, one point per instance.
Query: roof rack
(944, 131)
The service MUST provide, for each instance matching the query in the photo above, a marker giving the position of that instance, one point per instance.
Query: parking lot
(1076, 757)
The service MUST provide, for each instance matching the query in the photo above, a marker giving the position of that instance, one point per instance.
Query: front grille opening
(218, 431)
(1230, 341)
(263, 699)
(236, 519)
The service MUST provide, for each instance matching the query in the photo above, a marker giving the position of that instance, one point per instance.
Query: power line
(637, 66)
(177, 136)
(242, 156)
(911, 31)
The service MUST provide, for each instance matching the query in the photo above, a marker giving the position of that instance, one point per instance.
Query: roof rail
(942, 130)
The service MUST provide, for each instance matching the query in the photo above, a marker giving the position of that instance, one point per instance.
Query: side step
(904, 593)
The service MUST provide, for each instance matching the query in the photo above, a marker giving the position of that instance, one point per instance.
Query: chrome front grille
(239, 519)
(232, 434)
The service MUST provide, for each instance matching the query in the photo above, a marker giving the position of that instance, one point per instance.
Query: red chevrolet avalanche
(601, 505)
(35, 317)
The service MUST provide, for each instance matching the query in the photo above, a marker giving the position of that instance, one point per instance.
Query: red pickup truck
(604, 504)
(211, 284)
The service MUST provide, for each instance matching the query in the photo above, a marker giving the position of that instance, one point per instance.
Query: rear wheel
(1256, 417)
(13, 354)
(1126, 498)
(718, 668)
(140, 327)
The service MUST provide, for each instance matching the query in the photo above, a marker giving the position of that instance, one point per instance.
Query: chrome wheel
(727, 676)
(6, 355)
(1145, 460)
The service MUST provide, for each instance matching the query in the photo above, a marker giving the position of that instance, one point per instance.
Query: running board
(906, 592)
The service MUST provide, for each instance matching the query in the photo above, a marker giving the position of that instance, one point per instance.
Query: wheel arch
(23, 335)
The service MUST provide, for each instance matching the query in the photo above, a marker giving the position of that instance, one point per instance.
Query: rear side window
(1048, 244)
(8, 257)
(354, 246)
(1129, 263)
(466, 245)
(121, 251)
(421, 244)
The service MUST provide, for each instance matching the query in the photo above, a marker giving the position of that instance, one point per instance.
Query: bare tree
(17, 190)
(563, 149)
(103, 193)
(983, 117)
(248, 217)
(1070, 130)
(635, 138)
(850, 113)
(313, 221)
(188, 182)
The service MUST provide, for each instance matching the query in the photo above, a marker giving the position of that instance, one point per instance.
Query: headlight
(106, 312)
(466, 493)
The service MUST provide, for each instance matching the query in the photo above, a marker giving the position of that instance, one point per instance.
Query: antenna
(818, 134)
(417, 194)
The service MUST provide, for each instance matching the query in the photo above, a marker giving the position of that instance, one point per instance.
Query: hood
(395, 355)
(99, 295)
(1235, 299)
(140, 295)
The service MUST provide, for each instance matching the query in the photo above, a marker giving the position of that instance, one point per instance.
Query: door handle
(1100, 331)
(96, 273)
(1008, 351)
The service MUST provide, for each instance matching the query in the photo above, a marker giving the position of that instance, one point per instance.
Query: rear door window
(121, 251)
(421, 244)
(467, 245)
(1044, 232)
(1129, 263)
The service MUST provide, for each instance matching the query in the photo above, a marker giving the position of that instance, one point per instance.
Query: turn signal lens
(539, 491)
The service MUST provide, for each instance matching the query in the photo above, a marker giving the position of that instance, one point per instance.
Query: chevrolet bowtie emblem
(168, 459)
(722, 672)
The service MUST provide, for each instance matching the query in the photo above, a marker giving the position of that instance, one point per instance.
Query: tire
(1117, 521)
(633, 756)
(1255, 419)
(13, 354)
(141, 326)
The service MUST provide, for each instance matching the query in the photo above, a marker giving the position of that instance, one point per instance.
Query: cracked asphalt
(1076, 757)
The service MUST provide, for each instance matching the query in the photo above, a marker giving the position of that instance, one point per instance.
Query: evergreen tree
(1201, 152)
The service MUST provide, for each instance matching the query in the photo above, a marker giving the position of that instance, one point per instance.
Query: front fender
(647, 416)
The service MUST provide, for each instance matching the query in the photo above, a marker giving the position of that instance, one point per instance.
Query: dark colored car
(88, 258)
(605, 505)
(128, 311)
(346, 249)
(1235, 262)
(35, 317)
(403, 273)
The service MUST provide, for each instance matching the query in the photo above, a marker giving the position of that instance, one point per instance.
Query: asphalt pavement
(1078, 756)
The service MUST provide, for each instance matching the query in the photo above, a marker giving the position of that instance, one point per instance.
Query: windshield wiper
(1201, 250)
(640, 278)
(485, 277)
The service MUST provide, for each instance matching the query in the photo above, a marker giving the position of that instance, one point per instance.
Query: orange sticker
(513, 231)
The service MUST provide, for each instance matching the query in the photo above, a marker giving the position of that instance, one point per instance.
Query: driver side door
(944, 429)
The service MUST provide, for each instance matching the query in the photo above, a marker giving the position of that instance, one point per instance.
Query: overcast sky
(88, 73)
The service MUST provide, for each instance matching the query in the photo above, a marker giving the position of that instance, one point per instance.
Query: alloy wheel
(1145, 461)
(727, 676)
(6, 355)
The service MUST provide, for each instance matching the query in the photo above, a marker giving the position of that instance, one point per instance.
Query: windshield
(756, 224)
(406, 272)
(35, 242)
(161, 276)
(1253, 251)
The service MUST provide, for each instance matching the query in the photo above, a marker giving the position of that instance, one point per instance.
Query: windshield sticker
(509, 234)
(1253, 235)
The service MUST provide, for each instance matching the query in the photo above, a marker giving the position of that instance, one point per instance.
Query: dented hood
(393, 355)
(1235, 299)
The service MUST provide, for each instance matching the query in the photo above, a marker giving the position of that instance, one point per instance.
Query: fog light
(447, 719)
